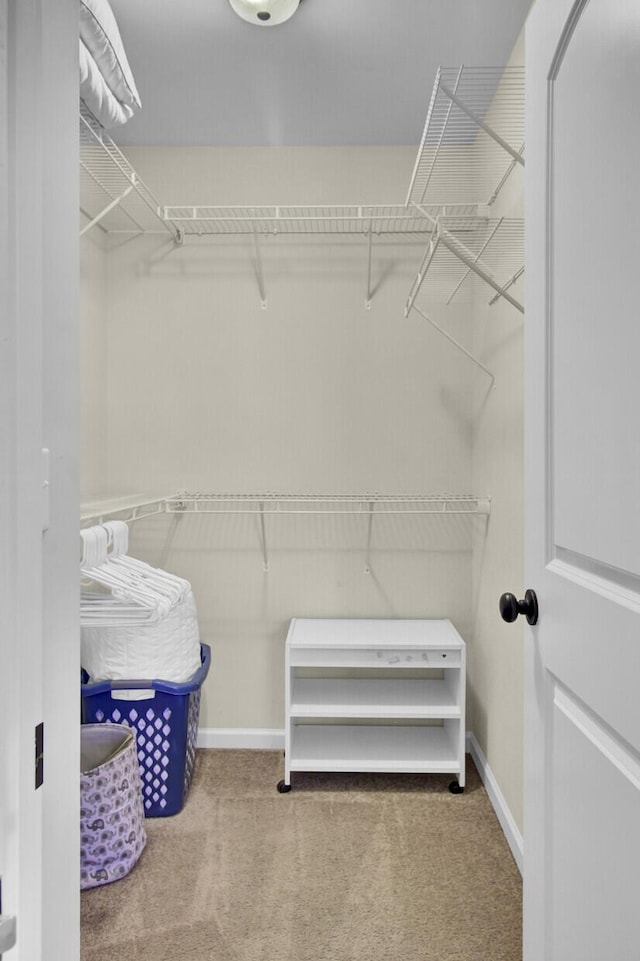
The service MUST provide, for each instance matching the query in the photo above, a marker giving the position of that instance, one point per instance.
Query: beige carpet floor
(343, 868)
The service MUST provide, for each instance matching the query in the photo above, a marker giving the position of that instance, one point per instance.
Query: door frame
(535, 485)
(39, 510)
(20, 440)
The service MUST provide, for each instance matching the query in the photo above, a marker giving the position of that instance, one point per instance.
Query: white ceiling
(340, 72)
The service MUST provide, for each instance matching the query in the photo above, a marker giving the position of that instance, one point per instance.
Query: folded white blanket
(100, 35)
(168, 650)
(97, 96)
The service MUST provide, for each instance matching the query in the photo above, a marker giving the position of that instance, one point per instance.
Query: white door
(582, 469)
(39, 644)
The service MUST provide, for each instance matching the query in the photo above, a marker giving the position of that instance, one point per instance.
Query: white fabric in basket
(168, 650)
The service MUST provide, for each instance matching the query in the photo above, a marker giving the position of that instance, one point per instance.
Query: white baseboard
(263, 739)
(266, 739)
(500, 806)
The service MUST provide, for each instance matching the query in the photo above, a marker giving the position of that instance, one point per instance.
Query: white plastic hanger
(136, 591)
(165, 584)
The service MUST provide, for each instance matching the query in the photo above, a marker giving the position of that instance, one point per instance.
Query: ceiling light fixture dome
(265, 13)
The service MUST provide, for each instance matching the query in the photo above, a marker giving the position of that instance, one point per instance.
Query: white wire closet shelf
(128, 508)
(473, 136)
(134, 508)
(269, 504)
(378, 219)
(465, 255)
(350, 220)
(112, 195)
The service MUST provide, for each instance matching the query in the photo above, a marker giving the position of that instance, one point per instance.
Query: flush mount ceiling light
(265, 13)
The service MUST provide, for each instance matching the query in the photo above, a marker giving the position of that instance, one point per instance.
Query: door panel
(582, 554)
(595, 461)
(597, 774)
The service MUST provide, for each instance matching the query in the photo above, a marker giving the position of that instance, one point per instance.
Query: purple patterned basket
(112, 831)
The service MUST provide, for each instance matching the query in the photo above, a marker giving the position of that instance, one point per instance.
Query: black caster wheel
(283, 788)
(455, 788)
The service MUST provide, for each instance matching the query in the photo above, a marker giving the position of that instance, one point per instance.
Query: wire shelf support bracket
(114, 203)
(259, 270)
(367, 302)
(455, 343)
(263, 543)
(367, 565)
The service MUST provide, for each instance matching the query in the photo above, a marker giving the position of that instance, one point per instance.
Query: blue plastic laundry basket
(166, 729)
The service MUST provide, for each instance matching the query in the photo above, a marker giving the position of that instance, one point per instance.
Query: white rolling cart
(375, 695)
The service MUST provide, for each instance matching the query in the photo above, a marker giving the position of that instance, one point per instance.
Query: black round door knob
(510, 607)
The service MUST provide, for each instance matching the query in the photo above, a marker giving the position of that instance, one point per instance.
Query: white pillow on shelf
(97, 97)
(99, 32)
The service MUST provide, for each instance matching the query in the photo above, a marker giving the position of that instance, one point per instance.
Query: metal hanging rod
(455, 343)
(473, 135)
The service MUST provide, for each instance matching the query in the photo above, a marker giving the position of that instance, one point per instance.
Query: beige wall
(495, 661)
(207, 391)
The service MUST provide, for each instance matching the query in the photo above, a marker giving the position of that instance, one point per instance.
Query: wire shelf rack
(131, 509)
(473, 136)
(466, 256)
(270, 503)
(126, 509)
(370, 506)
(112, 195)
(343, 219)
